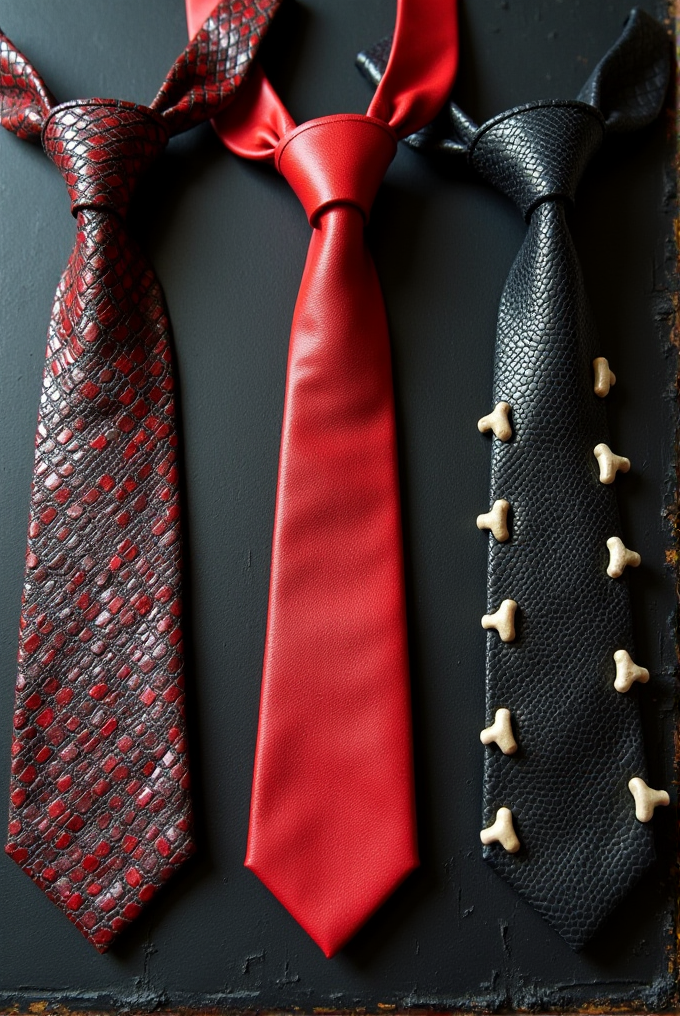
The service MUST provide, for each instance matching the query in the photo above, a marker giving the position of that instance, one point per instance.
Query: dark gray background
(229, 240)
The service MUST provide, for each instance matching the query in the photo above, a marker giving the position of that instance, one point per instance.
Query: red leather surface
(308, 158)
(100, 812)
(332, 822)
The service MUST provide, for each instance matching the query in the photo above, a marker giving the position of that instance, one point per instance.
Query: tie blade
(630, 82)
(335, 903)
(100, 914)
(100, 812)
(25, 100)
(332, 815)
(580, 740)
(205, 77)
(577, 883)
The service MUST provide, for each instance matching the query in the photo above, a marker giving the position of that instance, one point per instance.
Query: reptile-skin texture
(100, 809)
(580, 741)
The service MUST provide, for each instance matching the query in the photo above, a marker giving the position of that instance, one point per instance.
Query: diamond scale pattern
(25, 100)
(100, 808)
(228, 40)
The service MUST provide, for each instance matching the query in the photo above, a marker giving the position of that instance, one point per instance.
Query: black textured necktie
(566, 800)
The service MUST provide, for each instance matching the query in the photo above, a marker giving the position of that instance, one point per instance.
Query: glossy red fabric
(332, 822)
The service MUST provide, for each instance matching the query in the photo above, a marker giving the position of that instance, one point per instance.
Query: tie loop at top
(336, 160)
(101, 147)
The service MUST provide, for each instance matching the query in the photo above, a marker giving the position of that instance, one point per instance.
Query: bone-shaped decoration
(627, 672)
(604, 377)
(502, 831)
(500, 732)
(646, 799)
(620, 557)
(498, 422)
(610, 463)
(496, 520)
(503, 620)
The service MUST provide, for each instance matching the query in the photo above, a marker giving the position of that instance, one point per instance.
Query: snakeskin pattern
(100, 809)
(626, 84)
(25, 100)
(101, 148)
(100, 812)
(205, 77)
(580, 741)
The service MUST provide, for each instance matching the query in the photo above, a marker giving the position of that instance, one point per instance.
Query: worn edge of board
(50, 1003)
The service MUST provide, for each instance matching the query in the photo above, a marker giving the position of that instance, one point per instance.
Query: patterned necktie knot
(101, 147)
(539, 152)
(336, 160)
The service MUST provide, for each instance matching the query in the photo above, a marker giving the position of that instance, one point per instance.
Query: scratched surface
(228, 241)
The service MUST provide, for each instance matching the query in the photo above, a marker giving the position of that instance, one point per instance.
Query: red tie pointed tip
(332, 920)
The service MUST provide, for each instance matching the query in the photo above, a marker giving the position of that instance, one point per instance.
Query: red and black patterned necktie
(100, 812)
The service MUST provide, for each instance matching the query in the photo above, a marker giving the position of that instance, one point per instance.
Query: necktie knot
(336, 160)
(101, 147)
(538, 153)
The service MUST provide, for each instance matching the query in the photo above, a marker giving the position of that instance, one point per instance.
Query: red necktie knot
(101, 147)
(336, 160)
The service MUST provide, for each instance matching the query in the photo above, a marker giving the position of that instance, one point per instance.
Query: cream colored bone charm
(502, 831)
(627, 672)
(503, 620)
(609, 463)
(498, 422)
(496, 520)
(604, 377)
(646, 799)
(500, 732)
(620, 557)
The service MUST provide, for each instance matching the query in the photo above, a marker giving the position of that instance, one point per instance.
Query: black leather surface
(580, 740)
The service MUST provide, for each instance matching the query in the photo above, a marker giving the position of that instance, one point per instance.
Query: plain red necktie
(332, 821)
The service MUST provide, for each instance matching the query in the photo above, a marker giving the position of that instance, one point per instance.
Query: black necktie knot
(539, 152)
(101, 147)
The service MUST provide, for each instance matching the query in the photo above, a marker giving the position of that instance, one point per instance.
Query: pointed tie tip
(325, 914)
